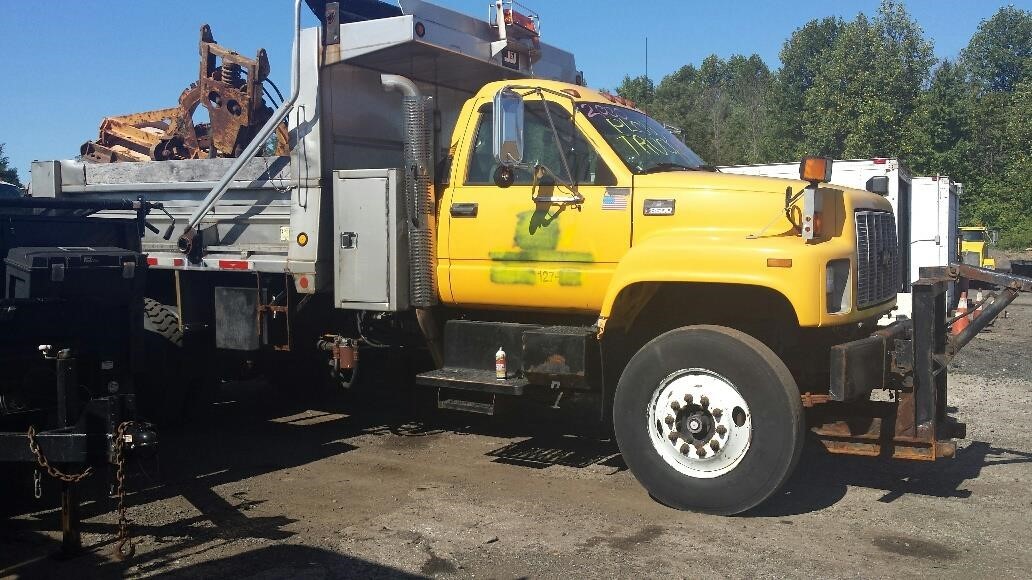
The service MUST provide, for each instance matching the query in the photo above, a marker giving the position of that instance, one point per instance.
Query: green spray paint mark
(510, 276)
(541, 256)
(535, 232)
(569, 277)
(536, 237)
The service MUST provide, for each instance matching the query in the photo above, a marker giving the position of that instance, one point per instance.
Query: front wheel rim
(699, 423)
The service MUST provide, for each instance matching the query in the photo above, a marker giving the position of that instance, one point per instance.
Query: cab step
(555, 357)
(456, 402)
(471, 380)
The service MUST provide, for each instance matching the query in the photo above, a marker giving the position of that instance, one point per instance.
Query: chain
(50, 469)
(124, 548)
(37, 488)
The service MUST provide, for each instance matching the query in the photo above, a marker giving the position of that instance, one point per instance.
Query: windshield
(642, 143)
(973, 235)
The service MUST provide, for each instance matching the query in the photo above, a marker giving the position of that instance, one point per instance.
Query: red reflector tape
(152, 261)
(178, 262)
(234, 265)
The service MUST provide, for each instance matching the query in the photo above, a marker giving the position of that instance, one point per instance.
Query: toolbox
(82, 272)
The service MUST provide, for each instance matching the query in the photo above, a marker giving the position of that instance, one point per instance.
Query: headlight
(838, 287)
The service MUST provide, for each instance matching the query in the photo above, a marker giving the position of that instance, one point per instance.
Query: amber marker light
(302, 239)
(815, 169)
(779, 262)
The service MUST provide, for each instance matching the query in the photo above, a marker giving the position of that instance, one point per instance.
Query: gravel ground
(268, 484)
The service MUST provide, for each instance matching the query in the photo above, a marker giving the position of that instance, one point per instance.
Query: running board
(471, 380)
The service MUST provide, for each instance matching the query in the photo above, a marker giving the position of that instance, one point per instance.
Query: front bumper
(911, 359)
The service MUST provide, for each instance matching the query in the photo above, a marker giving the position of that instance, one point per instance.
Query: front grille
(877, 258)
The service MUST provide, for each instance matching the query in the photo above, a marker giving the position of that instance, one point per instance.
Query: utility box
(82, 272)
(370, 241)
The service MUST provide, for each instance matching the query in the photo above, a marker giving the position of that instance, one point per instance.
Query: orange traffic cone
(962, 312)
(978, 300)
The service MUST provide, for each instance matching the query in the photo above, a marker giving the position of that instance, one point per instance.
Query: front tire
(709, 419)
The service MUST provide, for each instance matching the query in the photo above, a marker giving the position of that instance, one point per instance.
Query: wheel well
(654, 308)
(646, 310)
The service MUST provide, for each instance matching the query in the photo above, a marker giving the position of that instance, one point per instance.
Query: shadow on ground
(821, 479)
(272, 562)
(249, 429)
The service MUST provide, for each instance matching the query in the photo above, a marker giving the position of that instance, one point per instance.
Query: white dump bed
(250, 223)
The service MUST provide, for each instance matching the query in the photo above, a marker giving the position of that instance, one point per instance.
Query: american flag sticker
(616, 198)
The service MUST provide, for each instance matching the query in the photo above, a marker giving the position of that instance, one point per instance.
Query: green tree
(999, 55)
(801, 59)
(868, 86)
(640, 89)
(1015, 189)
(938, 136)
(719, 107)
(8, 173)
(998, 190)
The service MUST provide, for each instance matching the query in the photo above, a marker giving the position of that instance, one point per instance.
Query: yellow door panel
(534, 285)
(506, 249)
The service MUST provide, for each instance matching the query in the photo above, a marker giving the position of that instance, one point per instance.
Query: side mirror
(508, 128)
(994, 237)
(878, 184)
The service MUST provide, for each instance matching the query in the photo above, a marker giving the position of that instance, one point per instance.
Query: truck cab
(974, 242)
(622, 205)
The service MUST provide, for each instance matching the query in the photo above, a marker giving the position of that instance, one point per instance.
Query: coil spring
(230, 73)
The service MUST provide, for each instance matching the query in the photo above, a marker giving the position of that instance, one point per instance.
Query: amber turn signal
(815, 169)
(779, 262)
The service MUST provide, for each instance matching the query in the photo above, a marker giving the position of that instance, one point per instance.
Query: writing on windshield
(641, 142)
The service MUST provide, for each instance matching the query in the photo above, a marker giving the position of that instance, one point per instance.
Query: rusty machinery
(230, 88)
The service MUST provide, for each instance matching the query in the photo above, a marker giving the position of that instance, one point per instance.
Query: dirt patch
(915, 548)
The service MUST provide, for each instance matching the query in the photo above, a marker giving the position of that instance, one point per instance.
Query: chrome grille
(877, 258)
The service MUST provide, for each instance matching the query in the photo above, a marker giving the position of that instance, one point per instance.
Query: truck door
(505, 249)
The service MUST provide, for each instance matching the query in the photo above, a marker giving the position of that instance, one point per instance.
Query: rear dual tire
(164, 391)
(709, 419)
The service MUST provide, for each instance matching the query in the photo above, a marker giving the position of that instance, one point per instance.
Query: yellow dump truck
(974, 246)
(454, 188)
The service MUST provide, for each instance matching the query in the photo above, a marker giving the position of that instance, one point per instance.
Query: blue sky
(69, 64)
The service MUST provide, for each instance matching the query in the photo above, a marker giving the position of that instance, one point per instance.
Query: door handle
(468, 210)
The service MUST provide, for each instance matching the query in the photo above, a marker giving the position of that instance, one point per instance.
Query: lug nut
(669, 420)
(675, 405)
(721, 430)
(704, 401)
(714, 445)
(673, 436)
(685, 449)
(700, 450)
(716, 413)
(688, 398)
